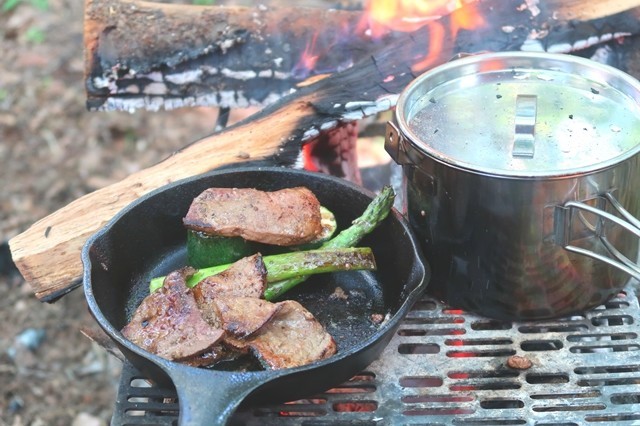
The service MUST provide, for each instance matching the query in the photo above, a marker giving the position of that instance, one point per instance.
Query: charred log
(149, 55)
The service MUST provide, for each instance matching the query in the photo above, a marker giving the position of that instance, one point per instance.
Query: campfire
(314, 75)
(309, 80)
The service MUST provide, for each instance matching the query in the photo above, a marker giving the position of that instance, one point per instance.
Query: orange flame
(438, 20)
(404, 15)
(384, 16)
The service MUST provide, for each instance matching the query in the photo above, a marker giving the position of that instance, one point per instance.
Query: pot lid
(523, 114)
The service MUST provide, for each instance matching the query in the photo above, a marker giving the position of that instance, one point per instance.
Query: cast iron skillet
(147, 239)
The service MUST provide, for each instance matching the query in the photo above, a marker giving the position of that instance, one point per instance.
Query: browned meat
(169, 324)
(291, 339)
(220, 352)
(245, 278)
(243, 316)
(286, 217)
(223, 317)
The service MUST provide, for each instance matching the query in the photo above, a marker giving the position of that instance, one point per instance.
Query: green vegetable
(204, 250)
(375, 213)
(329, 227)
(300, 263)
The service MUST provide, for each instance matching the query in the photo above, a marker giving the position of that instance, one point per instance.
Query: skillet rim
(410, 298)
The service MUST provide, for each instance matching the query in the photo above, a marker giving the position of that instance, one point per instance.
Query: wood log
(227, 56)
(48, 253)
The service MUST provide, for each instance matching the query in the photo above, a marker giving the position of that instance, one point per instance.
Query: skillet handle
(564, 217)
(208, 397)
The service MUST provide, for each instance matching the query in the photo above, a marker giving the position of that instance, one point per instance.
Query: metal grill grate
(448, 367)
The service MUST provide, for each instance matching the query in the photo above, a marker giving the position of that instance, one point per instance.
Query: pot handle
(394, 144)
(563, 220)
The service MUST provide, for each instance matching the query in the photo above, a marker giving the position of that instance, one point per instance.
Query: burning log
(150, 55)
(153, 55)
(47, 254)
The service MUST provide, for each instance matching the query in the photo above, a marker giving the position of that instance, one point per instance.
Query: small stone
(377, 318)
(31, 338)
(15, 404)
(519, 362)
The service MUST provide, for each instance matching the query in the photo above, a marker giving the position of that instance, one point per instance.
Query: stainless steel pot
(522, 179)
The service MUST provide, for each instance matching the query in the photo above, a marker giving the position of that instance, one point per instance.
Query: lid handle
(525, 121)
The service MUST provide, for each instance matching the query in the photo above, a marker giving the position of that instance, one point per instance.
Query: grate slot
(418, 332)
(495, 353)
(418, 348)
(501, 404)
(625, 398)
(611, 305)
(601, 337)
(556, 424)
(610, 382)
(541, 345)
(349, 406)
(478, 342)
(537, 379)
(548, 408)
(614, 418)
(552, 328)
(417, 399)
(610, 369)
(588, 349)
(485, 386)
(412, 319)
(492, 421)
(421, 382)
(612, 320)
(439, 411)
(490, 325)
(588, 394)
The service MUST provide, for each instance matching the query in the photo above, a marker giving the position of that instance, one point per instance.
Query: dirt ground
(53, 151)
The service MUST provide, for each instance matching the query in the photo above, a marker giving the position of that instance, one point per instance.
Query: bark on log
(48, 253)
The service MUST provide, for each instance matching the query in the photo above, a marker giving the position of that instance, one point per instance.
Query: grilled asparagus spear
(299, 263)
(375, 213)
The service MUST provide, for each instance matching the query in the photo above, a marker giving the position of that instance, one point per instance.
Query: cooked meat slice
(242, 316)
(286, 217)
(247, 277)
(291, 339)
(169, 324)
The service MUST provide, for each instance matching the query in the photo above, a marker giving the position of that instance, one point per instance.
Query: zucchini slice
(209, 250)
(204, 250)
